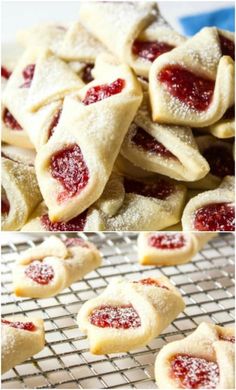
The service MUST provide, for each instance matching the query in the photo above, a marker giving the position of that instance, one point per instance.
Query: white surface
(17, 15)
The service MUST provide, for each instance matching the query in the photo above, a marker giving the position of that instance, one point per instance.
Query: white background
(21, 14)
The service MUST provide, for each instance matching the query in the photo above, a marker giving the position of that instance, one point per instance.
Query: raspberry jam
(5, 73)
(69, 168)
(215, 217)
(74, 225)
(194, 91)
(20, 325)
(151, 282)
(87, 73)
(76, 241)
(195, 373)
(220, 160)
(39, 272)
(231, 339)
(227, 47)
(148, 143)
(100, 92)
(5, 204)
(10, 121)
(28, 74)
(161, 189)
(167, 240)
(118, 317)
(150, 50)
(54, 123)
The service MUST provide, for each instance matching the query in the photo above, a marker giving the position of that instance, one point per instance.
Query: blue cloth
(223, 18)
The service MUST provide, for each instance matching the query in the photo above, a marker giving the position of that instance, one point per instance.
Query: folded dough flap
(48, 35)
(186, 162)
(201, 56)
(78, 44)
(112, 197)
(19, 344)
(52, 246)
(122, 21)
(52, 80)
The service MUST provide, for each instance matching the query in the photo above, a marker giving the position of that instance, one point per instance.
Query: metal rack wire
(206, 284)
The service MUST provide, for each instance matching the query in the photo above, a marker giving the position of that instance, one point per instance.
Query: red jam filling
(230, 113)
(118, 317)
(215, 217)
(28, 74)
(167, 240)
(227, 47)
(195, 373)
(150, 50)
(220, 160)
(87, 73)
(5, 204)
(76, 241)
(145, 141)
(5, 73)
(10, 121)
(69, 168)
(100, 92)
(161, 189)
(54, 123)
(20, 325)
(74, 225)
(151, 282)
(194, 91)
(231, 339)
(39, 272)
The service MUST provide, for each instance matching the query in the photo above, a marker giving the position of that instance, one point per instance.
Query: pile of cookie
(117, 122)
(127, 315)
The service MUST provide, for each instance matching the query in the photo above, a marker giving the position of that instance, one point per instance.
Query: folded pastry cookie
(35, 92)
(212, 210)
(143, 204)
(203, 360)
(139, 33)
(219, 155)
(49, 268)
(129, 314)
(22, 337)
(20, 193)
(193, 84)
(74, 166)
(168, 150)
(169, 248)
(12, 132)
(72, 43)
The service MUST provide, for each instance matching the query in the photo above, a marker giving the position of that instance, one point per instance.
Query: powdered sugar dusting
(167, 240)
(194, 372)
(215, 217)
(39, 272)
(119, 317)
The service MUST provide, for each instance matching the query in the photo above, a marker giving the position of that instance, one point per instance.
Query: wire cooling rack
(206, 284)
